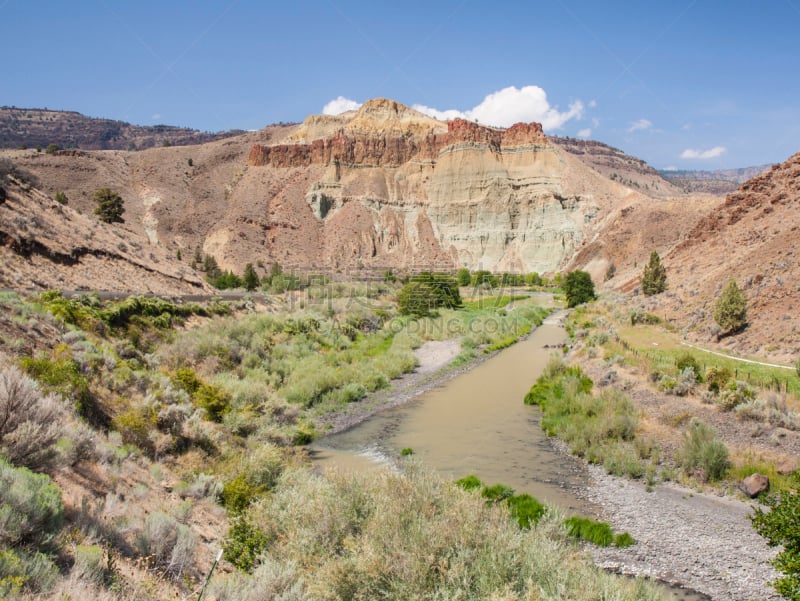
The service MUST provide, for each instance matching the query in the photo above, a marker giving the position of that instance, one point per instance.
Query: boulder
(754, 484)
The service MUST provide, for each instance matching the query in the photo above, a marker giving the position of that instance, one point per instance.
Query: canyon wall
(397, 188)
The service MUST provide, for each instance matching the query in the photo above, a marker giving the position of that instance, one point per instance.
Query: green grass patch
(597, 533)
(493, 302)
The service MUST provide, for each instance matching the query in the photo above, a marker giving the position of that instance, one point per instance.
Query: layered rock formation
(397, 188)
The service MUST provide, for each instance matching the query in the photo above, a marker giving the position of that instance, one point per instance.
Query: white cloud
(156, 116)
(670, 168)
(592, 104)
(712, 153)
(585, 133)
(640, 124)
(512, 105)
(340, 105)
(502, 108)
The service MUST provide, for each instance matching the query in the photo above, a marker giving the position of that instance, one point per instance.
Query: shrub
(526, 509)
(578, 288)
(411, 536)
(61, 198)
(110, 206)
(779, 523)
(702, 453)
(31, 510)
(717, 378)
(427, 292)
(63, 376)
(463, 277)
(797, 367)
(20, 570)
(135, 426)
(471, 482)
(168, 544)
(407, 452)
(90, 564)
(736, 393)
(213, 400)
(497, 493)
(239, 492)
(687, 359)
(598, 533)
(730, 310)
(30, 423)
(244, 543)
(654, 276)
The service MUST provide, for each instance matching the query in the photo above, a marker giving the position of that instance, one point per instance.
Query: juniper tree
(654, 276)
(109, 206)
(730, 310)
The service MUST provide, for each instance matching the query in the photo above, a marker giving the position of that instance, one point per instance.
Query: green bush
(797, 367)
(598, 533)
(31, 509)
(736, 393)
(779, 523)
(427, 292)
(61, 198)
(471, 482)
(411, 536)
(702, 453)
(497, 493)
(135, 426)
(239, 492)
(244, 544)
(687, 359)
(717, 378)
(463, 277)
(526, 509)
(63, 376)
(407, 452)
(578, 288)
(213, 400)
(22, 571)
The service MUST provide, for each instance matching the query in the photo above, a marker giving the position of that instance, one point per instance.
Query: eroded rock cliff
(397, 188)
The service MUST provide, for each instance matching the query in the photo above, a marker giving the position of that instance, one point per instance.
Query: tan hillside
(750, 237)
(381, 187)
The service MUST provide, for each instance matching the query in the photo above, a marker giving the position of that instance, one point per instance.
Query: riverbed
(476, 423)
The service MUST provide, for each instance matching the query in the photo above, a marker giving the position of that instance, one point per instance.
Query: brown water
(476, 424)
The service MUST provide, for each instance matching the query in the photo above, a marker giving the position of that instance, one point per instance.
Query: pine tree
(109, 206)
(730, 310)
(654, 276)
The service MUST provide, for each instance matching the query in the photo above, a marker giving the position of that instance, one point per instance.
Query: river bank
(697, 540)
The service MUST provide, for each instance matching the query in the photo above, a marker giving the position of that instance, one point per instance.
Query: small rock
(754, 484)
(787, 466)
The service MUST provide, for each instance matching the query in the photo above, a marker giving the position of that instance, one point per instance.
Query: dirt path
(789, 367)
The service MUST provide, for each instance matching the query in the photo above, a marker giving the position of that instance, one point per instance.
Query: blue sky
(690, 83)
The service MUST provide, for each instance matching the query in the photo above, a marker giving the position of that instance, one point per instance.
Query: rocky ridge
(29, 128)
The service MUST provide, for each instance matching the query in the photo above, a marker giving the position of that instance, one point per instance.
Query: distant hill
(720, 181)
(619, 166)
(32, 128)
